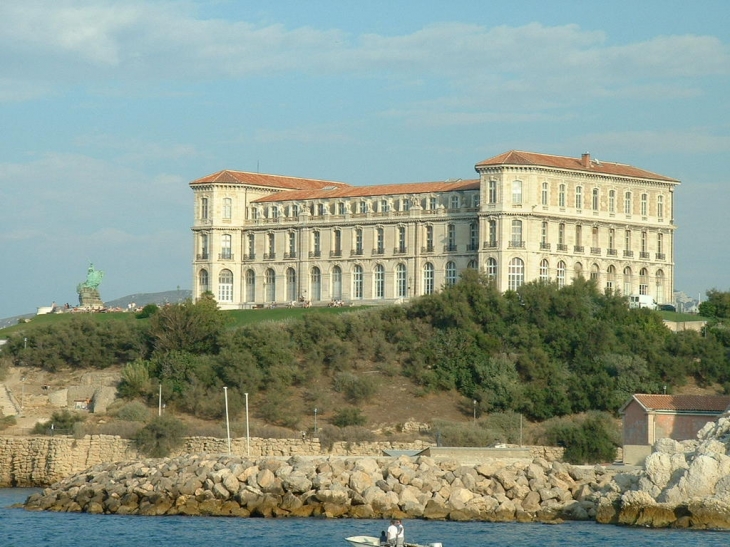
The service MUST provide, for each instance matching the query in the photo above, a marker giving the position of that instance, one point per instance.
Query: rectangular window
(227, 208)
(561, 195)
(596, 201)
(451, 237)
(454, 202)
(432, 204)
(544, 195)
(401, 239)
(544, 234)
(341, 208)
(660, 207)
(292, 244)
(612, 201)
(358, 241)
(627, 203)
(492, 191)
(579, 197)
(517, 192)
(381, 240)
(429, 239)
(316, 242)
(644, 204)
(251, 246)
(204, 208)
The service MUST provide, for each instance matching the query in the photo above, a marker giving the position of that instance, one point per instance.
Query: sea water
(20, 528)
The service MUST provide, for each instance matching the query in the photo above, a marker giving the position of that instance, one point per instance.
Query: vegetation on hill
(542, 351)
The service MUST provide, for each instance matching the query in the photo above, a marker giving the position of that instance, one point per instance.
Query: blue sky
(109, 109)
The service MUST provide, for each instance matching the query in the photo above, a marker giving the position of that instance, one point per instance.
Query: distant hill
(159, 298)
(140, 299)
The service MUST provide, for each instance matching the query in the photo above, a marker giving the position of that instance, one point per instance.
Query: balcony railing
(269, 256)
(562, 247)
(596, 251)
(427, 248)
(315, 254)
(611, 252)
(249, 256)
(225, 255)
(644, 255)
(379, 251)
(450, 248)
(490, 244)
(337, 253)
(400, 250)
(516, 244)
(292, 254)
(356, 252)
(661, 256)
(544, 246)
(472, 247)
(628, 254)
(578, 249)
(202, 256)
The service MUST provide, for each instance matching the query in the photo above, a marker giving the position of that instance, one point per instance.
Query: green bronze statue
(93, 279)
(89, 290)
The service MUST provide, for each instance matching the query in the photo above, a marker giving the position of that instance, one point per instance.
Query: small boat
(372, 541)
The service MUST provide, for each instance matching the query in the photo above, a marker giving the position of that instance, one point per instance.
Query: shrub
(349, 416)
(159, 437)
(61, 423)
(6, 421)
(330, 434)
(148, 311)
(355, 388)
(590, 439)
(134, 411)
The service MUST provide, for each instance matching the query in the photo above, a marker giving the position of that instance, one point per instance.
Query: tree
(717, 305)
(191, 327)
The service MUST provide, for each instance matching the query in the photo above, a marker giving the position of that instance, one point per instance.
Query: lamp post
(228, 425)
(248, 437)
(315, 422)
(474, 401)
(159, 402)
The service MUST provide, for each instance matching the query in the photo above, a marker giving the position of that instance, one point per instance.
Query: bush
(61, 423)
(349, 416)
(590, 439)
(355, 388)
(148, 311)
(159, 437)
(6, 421)
(330, 434)
(134, 412)
(135, 380)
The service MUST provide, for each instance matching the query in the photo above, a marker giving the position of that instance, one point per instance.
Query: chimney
(585, 160)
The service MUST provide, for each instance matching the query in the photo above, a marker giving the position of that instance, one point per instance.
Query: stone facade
(263, 239)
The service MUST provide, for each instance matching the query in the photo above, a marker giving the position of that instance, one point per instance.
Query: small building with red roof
(648, 418)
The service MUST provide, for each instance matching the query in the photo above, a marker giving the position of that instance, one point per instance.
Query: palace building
(270, 239)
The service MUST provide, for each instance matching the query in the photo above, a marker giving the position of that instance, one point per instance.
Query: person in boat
(392, 533)
(383, 538)
(400, 538)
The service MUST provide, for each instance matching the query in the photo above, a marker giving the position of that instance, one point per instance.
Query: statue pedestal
(89, 298)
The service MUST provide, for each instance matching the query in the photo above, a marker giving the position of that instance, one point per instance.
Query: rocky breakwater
(682, 485)
(366, 487)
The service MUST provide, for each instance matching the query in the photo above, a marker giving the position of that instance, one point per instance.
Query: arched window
(472, 265)
(203, 282)
(595, 272)
(560, 274)
(225, 286)
(291, 285)
(270, 282)
(450, 273)
(316, 284)
(428, 278)
(337, 283)
(357, 282)
(491, 268)
(611, 277)
(643, 281)
(578, 269)
(515, 274)
(379, 281)
(627, 280)
(401, 281)
(544, 270)
(250, 286)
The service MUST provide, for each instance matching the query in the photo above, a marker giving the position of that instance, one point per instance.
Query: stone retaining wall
(40, 461)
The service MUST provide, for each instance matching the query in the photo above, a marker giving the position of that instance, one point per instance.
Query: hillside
(543, 352)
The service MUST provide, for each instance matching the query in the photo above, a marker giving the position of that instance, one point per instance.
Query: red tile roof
(706, 403)
(586, 164)
(369, 191)
(269, 181)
